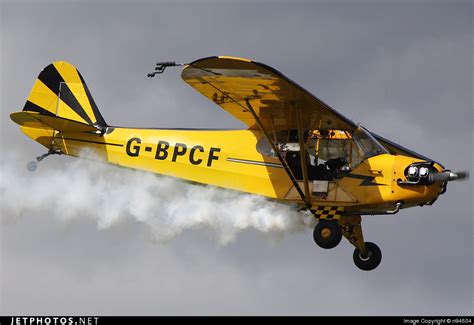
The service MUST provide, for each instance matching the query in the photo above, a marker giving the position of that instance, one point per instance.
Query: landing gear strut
(33, 165)
(367, 256)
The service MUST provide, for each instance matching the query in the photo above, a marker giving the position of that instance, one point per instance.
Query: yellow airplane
(296, 148)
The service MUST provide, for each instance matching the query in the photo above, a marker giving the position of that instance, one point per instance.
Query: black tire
(373, 259)
(327, 234)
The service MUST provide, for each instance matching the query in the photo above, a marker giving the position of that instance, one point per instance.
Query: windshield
(366, 143)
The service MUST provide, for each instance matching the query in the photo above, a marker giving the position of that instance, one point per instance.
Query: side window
(339, 148)
(264, 148)
(332, 149)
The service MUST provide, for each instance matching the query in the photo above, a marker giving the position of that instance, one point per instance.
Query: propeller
(450, 176)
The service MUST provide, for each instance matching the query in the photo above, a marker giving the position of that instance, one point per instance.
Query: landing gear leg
(367, 256)
(33, 165)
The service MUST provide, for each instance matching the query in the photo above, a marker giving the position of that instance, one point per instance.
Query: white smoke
(82, 189)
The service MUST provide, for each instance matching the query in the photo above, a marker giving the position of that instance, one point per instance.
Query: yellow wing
(229, 82)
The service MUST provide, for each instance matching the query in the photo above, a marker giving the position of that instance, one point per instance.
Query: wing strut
(280, 157)
(304, 167)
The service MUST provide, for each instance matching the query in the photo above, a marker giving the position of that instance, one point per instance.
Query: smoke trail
(83, 189)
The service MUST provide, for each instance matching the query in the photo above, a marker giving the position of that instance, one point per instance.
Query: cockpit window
(368, 146)
(328, 153)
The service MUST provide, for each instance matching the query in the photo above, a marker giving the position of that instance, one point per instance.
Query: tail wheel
(370, 260)
(32, 166)
(327, 234)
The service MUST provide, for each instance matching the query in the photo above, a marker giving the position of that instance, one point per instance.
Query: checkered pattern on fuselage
(328, 213)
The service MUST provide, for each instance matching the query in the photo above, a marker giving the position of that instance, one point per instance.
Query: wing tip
(234, 58)
(224, 57)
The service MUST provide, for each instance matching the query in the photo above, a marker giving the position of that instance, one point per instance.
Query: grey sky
(403, 69)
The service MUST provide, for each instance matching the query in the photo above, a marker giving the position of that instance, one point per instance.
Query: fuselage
(230, 159)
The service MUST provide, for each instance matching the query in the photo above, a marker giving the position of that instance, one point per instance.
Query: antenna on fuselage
(161, 66)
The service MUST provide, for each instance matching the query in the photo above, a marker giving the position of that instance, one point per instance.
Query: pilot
(336, 156)
(293, 156)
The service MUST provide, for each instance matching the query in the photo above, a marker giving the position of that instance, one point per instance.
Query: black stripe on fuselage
(90, 141)
(254, 162)
(366, 180)
(178, 129)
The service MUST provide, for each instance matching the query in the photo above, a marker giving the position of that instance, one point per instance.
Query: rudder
(60, 91)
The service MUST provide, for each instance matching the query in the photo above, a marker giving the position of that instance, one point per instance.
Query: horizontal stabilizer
(41, 121)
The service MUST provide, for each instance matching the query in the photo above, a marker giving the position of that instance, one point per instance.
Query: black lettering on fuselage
(135, 149)
(179, 150)
(162, 150)
(192, 160)
(211, 156)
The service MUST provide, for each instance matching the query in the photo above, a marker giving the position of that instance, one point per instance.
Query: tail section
(61, 91)
(59, 101)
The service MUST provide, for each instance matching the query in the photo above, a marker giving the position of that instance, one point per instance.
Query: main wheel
(371, 260)
(327, 234)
